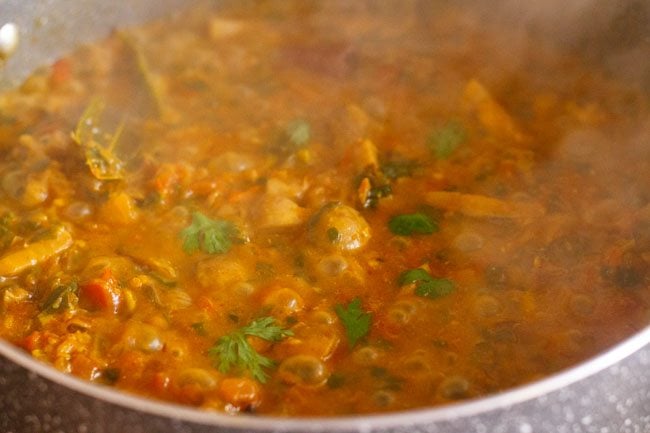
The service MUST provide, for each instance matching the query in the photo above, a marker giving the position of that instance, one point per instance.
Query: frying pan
(608, 393)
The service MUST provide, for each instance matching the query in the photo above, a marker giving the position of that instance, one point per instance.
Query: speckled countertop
(616, 400)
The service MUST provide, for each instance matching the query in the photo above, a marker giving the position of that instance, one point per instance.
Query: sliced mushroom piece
(339, 227)
(278, 211)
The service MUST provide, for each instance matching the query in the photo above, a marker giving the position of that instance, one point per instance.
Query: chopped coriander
(425, 285)
(445, 140)
(434, 288)
(208, 235)
(355, 320)
(234, 350)
(413, 276)
(409, 224)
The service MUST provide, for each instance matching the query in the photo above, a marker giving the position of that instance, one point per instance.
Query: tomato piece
(101, 293)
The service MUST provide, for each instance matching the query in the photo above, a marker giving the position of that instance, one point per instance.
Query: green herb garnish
(355, 320)
(413, 276)
(409, 224)
(445, 140)
(208, 235)
(234, 350)
(426, 285)
(434, 288)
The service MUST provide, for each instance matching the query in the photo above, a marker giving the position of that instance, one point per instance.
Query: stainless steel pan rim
(361, 423)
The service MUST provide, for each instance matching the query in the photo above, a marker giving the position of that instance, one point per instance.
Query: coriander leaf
(355, 320)
(266, 329)
(434, 288)
(234, 350)
(425, 285)
(208, 235)
(408, 224)
(412, 276)
(445, 140)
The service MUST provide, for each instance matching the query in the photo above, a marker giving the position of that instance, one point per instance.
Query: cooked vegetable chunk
(340, 227)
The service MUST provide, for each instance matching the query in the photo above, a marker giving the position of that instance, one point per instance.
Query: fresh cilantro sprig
(234, 350)
(355, 320)
(425, 285)
(415, 223)
(208, 235)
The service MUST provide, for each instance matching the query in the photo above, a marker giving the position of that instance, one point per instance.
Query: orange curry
(321, 208)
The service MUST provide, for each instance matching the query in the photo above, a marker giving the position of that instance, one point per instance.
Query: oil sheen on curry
(322, 208)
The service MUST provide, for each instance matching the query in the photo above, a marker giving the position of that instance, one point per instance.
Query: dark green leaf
(355, 320)
(434, 288)
(412, 276)
(425, 285)
(409, 224)
(208, 235)
(445, 140)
